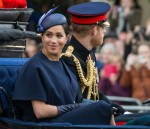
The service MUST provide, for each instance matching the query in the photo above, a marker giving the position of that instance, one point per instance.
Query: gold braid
(90, 80)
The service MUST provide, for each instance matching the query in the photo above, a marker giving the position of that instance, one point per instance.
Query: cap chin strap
(104, 23)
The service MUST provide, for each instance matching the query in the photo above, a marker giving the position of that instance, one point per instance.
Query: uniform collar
(79, 48)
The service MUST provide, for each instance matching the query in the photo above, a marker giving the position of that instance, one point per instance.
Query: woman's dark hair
(66, 28)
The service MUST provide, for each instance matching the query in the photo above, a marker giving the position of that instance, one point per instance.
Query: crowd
(124, 57)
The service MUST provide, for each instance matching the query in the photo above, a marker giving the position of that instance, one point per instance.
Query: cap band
(88, 20)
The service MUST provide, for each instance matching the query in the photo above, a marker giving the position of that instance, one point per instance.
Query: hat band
(88, 20)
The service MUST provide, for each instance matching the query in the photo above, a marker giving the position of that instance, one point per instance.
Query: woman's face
(54, 40)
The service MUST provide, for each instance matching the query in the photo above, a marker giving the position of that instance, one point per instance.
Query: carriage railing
(132, 104)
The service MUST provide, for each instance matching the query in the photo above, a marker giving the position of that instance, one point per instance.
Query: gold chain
(90, 80)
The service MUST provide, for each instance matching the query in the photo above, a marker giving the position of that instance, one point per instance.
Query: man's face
(98, 36)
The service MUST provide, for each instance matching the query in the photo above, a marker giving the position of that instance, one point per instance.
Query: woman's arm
(43, 110)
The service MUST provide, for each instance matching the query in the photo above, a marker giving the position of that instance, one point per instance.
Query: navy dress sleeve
(29, 84)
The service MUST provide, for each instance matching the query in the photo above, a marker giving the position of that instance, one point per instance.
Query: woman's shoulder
(33, 62)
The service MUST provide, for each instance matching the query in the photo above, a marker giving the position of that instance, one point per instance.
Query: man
(88, 22)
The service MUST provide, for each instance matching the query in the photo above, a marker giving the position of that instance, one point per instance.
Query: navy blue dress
(53, 82)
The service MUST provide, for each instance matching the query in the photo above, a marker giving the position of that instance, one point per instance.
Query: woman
(46, 89)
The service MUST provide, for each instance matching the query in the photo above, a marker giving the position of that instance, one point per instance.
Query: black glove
(103, 97)
(117, 109)
(69, 107)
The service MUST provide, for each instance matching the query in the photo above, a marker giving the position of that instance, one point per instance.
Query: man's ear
(94, 30)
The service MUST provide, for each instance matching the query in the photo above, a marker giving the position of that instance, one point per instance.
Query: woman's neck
(50, 56)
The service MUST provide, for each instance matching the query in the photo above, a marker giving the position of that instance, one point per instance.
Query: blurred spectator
(110, 76)
(136, 37)
(32, 47)
(143, 33)
(115, 39)
(113, 15)
(106, 50)
(110, 37)
(147, 30)
(103, 56)
(128, 43)
(137, 72)
(126, 14)
(120, 48)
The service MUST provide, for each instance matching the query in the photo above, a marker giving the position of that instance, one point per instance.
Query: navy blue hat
(90, 13)
(49, 20)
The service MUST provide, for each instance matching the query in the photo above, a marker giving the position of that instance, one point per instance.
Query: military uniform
(82, 55)
(79, 59)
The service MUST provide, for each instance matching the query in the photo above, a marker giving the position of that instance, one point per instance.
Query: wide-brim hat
(90, 13)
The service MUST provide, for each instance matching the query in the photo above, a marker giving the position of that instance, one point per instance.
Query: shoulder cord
(90, 80)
